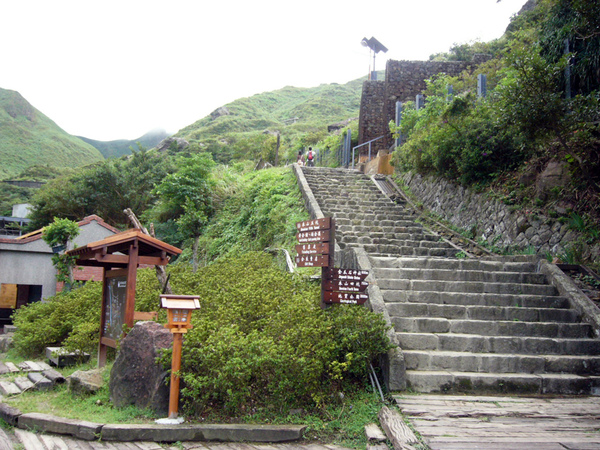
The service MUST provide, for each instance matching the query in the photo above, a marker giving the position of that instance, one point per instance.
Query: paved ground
(504, 423)
(32, 441)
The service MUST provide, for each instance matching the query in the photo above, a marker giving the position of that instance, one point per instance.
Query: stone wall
(491, 219)
(403, 81)
(370, 124)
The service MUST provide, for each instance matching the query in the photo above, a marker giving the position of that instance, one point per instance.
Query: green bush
(260, 338)
(62, 319)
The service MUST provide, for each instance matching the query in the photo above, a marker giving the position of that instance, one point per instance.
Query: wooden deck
(504, 423)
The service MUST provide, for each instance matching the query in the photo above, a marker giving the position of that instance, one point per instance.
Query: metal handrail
(365, 143)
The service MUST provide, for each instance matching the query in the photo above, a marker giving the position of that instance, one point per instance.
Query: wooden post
(326, 271)
(131, 282)
(175, 366)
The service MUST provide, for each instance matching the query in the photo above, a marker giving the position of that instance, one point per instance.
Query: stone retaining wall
(491, 219)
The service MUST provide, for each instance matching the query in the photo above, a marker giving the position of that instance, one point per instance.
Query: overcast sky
(117, 69)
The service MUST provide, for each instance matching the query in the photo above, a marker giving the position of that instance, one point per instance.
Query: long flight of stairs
(490, 325)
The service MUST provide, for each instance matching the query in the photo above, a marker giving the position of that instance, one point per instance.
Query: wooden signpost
(316, 249)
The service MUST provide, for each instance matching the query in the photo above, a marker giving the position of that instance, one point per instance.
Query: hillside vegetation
(29, 138)
(122, 147)
(236, 131)
(542, 107)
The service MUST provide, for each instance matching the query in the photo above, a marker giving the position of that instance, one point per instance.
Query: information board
(115, 301)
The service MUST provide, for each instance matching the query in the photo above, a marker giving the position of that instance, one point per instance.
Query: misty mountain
(120, 147)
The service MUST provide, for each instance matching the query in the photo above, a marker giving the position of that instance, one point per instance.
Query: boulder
(555, 175)
(136, 378)
(85, 381)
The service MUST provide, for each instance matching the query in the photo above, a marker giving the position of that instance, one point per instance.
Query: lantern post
(179, 313)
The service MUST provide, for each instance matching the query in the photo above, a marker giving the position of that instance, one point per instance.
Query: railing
(361, 145)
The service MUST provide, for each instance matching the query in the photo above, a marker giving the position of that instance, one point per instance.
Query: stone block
(23, 383)
(40, 381)
(223, 433)
(54, 376)
(80, 429)
(9, 414)
(8, 388)
(12, 367)
(59, 357)
(85, 382)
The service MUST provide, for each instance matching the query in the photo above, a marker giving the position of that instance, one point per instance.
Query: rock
(85, 382)
(169, 142)
(136, 378)
(222, 111)
(556, 175)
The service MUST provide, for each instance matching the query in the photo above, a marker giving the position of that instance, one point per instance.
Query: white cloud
(115, 69)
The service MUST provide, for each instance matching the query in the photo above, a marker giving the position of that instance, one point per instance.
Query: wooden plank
(345, 297)
(314, 236)
(313, 225)
(317, 248)
(345, 285)
(8, 295)
(312, 260)
(374, 433)
(395, 429)
(29, 440)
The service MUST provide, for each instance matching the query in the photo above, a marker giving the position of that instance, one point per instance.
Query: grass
(342, 424)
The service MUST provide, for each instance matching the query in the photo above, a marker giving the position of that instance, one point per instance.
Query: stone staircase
(487, 325)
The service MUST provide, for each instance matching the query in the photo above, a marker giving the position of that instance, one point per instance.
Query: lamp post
(375, 46)
(179, 314)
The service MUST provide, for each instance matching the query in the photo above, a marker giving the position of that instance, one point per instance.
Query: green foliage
(105, 189)
(260, 211)
(123, 147)
(28, 137)
(456, 138)
(72, 319)
(260, 338)
(60, 233)
(578, 22)
(66, 319)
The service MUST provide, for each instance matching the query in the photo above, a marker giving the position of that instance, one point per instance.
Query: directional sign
(312, 260)
(313, 249)
(313, 225)
(344, 297)
(345, 286)
(313, 236)
(346, 274)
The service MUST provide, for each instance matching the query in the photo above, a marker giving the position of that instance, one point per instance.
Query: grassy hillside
(232, 131)
(28, 138)
(121, 147)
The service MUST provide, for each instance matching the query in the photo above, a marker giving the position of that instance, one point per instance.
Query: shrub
(260, 338)
(69, 316)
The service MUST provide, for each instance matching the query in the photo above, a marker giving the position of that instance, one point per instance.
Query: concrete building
(26, 270)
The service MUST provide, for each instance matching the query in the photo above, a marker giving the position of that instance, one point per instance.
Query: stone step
(454, 264)
(491, 328)
(467, 287)
(459, 275)
(501, 383)
(367, 240)
(482, 299)
(530, 345)
(383, 250)
(501, 313)
(500, 362)
(405, 236)
(366, 230)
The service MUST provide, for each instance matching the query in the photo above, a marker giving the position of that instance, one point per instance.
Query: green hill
(28, 138)
(121, 147)
(291, 111)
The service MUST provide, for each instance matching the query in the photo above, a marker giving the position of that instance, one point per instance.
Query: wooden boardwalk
(504, 423)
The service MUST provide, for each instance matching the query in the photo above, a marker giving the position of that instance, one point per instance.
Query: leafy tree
(61, 233)
(105, 189)
(185, 196)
